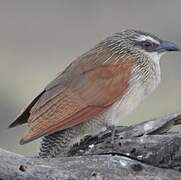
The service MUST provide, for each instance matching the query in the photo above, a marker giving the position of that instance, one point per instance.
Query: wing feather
(84, 90)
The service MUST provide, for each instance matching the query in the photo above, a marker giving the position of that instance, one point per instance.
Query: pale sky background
(39, 38)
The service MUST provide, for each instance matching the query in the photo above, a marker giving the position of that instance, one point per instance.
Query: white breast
(139, 88)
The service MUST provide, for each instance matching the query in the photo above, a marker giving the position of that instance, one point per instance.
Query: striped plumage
(95, 91)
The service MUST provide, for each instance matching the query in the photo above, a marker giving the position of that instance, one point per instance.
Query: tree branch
(144, 151)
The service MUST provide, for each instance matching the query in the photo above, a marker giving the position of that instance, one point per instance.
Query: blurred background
(39, 38)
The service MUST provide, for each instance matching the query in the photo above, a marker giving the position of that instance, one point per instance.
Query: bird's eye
(147, 44)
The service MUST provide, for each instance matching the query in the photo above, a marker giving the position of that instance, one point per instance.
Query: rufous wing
(86, 92)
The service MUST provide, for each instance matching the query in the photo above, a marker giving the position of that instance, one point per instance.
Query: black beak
(167, 46)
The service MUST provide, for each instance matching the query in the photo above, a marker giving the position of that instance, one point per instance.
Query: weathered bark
(149, 142)
(143, 151)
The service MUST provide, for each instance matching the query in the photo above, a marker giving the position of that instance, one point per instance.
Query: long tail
(23, 118)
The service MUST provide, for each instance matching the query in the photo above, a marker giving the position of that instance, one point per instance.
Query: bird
(95, 91)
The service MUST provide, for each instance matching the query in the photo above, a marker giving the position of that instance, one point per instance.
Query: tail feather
(23, 118)
(20, 120)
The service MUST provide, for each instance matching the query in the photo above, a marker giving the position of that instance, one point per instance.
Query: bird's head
(139, 42)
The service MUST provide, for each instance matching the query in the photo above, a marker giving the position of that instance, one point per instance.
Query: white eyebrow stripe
(144, 38)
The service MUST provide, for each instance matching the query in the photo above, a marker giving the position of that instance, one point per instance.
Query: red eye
(147, 44)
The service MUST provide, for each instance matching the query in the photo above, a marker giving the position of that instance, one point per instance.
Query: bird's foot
(113, 133)
(104, 134)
